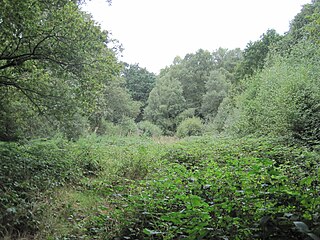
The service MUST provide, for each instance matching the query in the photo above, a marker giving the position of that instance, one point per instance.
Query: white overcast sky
(154, 32)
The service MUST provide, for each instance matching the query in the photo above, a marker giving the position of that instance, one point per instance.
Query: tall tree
(53, 56)
(255, 53)
(165, 103)
(139, 81)
(227, 59)
(217, 88)
(304, 21)
(193, 76)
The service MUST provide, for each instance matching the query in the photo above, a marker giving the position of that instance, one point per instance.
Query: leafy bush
(149, 129)
(190, 127)
(283, 100)
(188, 113)
(128, 127)
(108, 128)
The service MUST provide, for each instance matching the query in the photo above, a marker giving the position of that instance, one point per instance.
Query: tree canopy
(54, 60)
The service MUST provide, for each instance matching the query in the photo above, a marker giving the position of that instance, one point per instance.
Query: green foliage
(33, 172)
(194, 69)
(139, 82)
(165, 103)
(149, 129)
(193, 73)
(116, 106)
(305, 25)
(190, 127)
(126, 127)
(131, 187)
(227, 61)
(188, 113)
(223, 120)
(255, 54)
(27, 172)
(54, 62)
(235, 189)
(57, 75)
(119, 103)
(283, 100)
(217, 88)
(93, 209)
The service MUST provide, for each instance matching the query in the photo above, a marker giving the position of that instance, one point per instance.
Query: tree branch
(13, 84)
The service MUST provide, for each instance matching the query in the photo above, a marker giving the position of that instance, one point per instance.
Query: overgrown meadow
(220, 145)
(143, 188)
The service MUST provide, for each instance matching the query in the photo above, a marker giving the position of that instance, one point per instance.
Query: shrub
(149, 129)
(30, 172)
(188, 113)
(190, 127)
(283, 99)
(128, 127)
(108, 128)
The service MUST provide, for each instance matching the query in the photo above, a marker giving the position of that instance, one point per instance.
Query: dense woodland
(221, 144)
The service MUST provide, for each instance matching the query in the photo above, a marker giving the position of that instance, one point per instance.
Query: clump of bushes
(283, 99)
(190, 127)
(149, 129)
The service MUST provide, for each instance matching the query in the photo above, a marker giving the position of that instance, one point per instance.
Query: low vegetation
(135, 188)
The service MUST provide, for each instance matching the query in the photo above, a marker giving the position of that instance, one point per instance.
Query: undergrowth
(140, 188)
(228, 189)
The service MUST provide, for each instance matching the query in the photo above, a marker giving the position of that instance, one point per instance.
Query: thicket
(55, 189)
(283, 99)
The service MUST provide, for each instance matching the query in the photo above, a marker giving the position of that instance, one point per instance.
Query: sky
(154, 32)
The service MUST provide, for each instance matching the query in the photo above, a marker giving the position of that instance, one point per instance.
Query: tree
(193, 72)
(119, 103)
(217, 88)
(227, 60)
(255, 54)
(165, 103)
(193, 76)
(306, 23)
(139, 81)
(283, 99)
(190, 127)
(53, 56)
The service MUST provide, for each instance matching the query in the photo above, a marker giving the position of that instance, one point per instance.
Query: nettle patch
(228, 190)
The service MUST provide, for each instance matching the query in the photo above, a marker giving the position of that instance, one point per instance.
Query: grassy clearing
(141, 188)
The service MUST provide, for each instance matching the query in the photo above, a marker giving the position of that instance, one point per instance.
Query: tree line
(60, 73)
